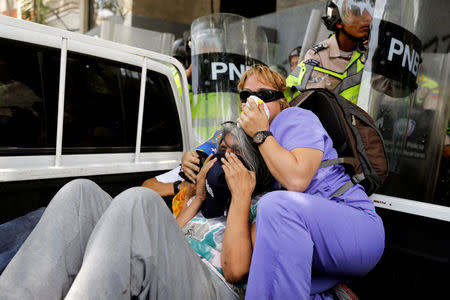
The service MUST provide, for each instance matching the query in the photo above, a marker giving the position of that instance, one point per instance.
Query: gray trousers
(88, 246)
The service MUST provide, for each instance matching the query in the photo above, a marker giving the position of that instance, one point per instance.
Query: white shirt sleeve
(170, 176)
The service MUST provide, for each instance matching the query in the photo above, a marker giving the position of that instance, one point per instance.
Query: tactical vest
(346, 84)
(177, 78)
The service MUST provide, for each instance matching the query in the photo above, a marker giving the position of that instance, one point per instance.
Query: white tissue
(257, 101)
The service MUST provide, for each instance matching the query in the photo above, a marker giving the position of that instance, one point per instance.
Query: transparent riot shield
(405, 89)
(223, 46)
(160, 42)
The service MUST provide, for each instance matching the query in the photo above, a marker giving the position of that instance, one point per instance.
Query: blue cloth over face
(218, 195)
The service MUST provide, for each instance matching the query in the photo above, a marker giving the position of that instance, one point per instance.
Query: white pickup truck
(76, 106)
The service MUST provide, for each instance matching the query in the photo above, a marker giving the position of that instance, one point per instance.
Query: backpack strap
(347, 185)
(343, 189)
(330, 162)
(357, 178)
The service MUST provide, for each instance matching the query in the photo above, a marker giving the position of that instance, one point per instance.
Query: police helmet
(179, 49)
(349, 12)
(294, 52)
(332, 16)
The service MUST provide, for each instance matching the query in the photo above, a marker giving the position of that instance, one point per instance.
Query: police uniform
(326, 66)
(177, 78)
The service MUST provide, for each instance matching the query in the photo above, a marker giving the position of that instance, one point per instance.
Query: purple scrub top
(295, 127)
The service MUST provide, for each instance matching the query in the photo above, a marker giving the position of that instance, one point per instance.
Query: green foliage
(34, 10)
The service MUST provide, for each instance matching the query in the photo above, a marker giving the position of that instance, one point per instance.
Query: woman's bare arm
(188, 212)
(293, 169)
(237, 243)
(162, 188)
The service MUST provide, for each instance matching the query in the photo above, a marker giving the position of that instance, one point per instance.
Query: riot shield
(223, 46)
(401, 88)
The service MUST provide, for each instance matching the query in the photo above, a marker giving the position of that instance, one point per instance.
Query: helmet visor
(356, 12)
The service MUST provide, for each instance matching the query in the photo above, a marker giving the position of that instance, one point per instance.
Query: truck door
(73, 106)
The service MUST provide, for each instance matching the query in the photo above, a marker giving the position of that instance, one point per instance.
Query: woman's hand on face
(201, 177)
(189, 164)
(253, 119)
(239, 179)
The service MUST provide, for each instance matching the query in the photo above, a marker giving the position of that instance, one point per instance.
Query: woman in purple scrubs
(306, 240)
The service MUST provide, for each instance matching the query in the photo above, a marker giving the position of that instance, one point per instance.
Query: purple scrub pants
(306, 244)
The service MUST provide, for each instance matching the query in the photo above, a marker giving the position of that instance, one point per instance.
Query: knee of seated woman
(78, 190)
(280, 203)
(80, 183)
(139, 195)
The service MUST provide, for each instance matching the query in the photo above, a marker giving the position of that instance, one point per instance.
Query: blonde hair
(266, 76)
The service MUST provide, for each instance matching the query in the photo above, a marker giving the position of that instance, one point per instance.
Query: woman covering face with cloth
(306, 239)
(90, 246)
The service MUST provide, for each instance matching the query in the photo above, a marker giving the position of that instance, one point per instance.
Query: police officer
(294, 57)
(337, 63)
(181, 51)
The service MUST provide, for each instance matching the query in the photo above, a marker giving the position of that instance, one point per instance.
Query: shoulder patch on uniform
(319, 47)
(312, 62)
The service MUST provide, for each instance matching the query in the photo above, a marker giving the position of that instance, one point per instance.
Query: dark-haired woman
(90, 246)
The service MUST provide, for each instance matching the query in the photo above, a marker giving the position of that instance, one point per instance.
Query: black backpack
(356, 138)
